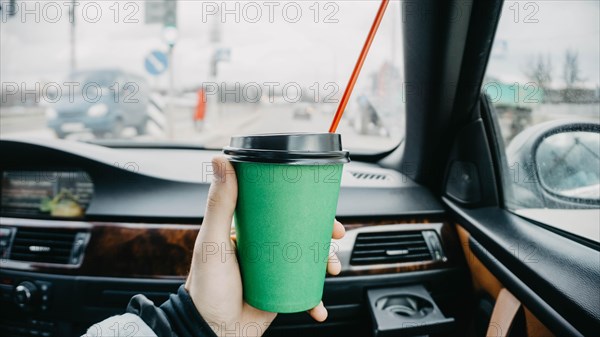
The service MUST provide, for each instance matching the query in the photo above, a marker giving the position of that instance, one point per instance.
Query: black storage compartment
(406, 311)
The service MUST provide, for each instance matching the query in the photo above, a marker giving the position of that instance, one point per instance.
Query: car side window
(543, 80)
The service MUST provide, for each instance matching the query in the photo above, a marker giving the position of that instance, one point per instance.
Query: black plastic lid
(289, 148)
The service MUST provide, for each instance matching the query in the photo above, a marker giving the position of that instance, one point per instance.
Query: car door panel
(555, 277)
(485, 282)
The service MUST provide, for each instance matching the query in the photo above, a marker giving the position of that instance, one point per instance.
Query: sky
(278, 47)
(280, 51)
(548, 28)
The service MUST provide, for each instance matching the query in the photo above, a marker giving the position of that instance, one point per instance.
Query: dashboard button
(26, 294)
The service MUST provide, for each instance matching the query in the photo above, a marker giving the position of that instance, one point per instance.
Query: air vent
(369, 176)
(395, 247)
(48, 245)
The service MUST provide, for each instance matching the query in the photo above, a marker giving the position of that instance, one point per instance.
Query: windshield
(198, 71)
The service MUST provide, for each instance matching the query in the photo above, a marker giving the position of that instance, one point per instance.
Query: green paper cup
(288, 187)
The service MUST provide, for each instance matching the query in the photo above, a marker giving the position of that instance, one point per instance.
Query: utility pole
(73, 63)
(170, 35)
(170, 112)
(215, 39)
(394, 37)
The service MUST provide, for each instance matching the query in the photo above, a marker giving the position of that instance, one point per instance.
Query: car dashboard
(85, 227)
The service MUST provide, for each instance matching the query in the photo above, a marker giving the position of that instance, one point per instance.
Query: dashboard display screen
(61, 194)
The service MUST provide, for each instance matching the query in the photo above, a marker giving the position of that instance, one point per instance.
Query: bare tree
(540, 71)
(571, 75)
(571, 71)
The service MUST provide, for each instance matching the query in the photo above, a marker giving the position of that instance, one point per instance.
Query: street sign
(156, 62)
(154, 12)
(170, 14)
(223, 55)
(161, 11)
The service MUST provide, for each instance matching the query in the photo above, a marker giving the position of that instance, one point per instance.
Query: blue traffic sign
(156, 62)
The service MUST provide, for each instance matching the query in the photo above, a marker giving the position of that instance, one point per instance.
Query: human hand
(215, 282)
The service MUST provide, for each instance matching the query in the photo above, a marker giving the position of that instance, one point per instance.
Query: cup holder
(405, 305)
(406, 311)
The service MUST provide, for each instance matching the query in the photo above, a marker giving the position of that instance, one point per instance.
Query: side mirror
(568, 163)
(556, 165)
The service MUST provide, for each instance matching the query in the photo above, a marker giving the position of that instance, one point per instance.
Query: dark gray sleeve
(177, 317)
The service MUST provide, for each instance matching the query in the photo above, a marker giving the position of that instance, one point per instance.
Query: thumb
(222, 198)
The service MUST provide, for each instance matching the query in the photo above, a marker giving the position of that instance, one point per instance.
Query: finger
(334, 266)
(338, 230)
(220, 205)
(318, 313)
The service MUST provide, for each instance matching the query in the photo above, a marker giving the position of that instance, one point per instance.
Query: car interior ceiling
(450, 133)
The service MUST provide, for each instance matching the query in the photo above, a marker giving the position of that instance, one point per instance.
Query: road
(222, 121)
(228, 119)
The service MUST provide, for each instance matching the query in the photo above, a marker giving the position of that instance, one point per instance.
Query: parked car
(103, 102)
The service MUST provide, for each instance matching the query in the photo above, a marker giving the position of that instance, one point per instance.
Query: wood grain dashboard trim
(164, 251)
